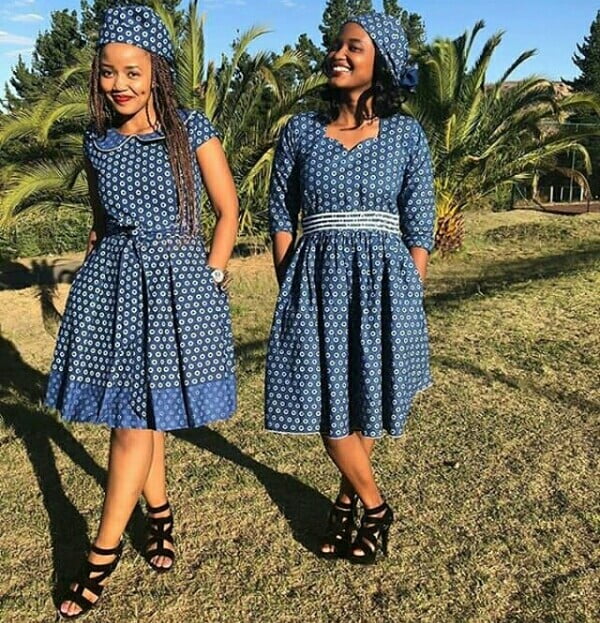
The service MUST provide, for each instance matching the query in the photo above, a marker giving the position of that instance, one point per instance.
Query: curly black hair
(387, 97)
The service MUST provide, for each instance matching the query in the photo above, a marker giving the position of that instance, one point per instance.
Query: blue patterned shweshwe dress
(349, 348)
(145, 340)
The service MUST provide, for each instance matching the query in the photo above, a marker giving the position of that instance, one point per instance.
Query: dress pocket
(416, 271)
(210, 282)
(414, 274)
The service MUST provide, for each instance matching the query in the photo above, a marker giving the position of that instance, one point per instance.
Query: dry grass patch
(494, 483)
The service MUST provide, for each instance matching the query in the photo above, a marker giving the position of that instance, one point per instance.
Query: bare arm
(420, 257)
(221, 190)
(98, 225)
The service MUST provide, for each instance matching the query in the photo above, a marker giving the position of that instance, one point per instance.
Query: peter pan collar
(113, 139)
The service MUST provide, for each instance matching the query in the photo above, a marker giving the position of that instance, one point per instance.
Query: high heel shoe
(93, 576)
(340, 525)
(160, 531)
(372, 536)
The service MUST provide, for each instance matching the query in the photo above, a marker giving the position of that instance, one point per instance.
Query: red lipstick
(121, 99)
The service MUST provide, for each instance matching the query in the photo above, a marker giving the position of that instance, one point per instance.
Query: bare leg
(347, 491)
(129, 462)
(351, 455)
(155, 489)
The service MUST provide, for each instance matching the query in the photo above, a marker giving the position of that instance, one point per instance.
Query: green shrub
(61, 231)
(502, 200)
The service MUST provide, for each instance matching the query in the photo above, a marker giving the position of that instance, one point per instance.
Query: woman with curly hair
(348, 349)
(145, 345)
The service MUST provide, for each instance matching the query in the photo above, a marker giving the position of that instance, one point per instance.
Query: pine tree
(587, 59)
(313, 53)
(23, 85)
(411, 22)
(358, 7)
(55, 49)
(335, 14)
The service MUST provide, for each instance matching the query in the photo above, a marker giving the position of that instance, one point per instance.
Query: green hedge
(65, 231)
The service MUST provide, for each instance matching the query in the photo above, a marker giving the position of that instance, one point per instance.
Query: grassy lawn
(495, 483)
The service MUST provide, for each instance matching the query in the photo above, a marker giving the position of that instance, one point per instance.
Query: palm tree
(248, 99)
(486, 136)
(232, 96)
(46, 168)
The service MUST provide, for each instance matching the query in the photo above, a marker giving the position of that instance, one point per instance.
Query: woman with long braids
(348, 349)
(145, 344)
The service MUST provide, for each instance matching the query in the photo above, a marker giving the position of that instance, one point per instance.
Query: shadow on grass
(44, 277)
(498, 277)
(251, 354)
(570, 399)
(15, 275)
(37, 431)
(303, 507)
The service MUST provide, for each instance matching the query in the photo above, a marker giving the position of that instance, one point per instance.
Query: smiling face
(351, 59)
(126, 77)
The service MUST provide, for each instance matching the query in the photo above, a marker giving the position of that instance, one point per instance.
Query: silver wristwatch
(218, 276)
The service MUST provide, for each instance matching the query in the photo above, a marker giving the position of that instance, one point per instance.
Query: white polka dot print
(349, 349)
(146, 339)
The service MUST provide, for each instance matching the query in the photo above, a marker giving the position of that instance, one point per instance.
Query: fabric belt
(141, 234)
(336, 221)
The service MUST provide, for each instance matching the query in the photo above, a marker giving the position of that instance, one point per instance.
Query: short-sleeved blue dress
(145, 341)
(348, 349)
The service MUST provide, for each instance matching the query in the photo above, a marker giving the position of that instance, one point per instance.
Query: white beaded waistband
(371, 220)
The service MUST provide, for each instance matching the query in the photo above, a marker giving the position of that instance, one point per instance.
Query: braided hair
(168, 120)
(387, 97)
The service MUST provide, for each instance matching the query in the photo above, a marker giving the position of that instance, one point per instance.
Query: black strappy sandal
(92, 584)
(340, 525)
(160, 530)
(372, 536)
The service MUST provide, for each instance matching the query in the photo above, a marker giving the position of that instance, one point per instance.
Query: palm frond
(41, 182)
(190, 58)
(485, 136)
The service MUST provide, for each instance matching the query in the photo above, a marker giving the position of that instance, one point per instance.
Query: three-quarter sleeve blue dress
(348, 348)
(145, 341)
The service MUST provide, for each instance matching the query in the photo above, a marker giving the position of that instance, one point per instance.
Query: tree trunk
(450, 233)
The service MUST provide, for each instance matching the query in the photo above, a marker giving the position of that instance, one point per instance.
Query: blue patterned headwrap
(390, 39)
(139, 26)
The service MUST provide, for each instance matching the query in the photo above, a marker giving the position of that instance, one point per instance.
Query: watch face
(218, 275)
